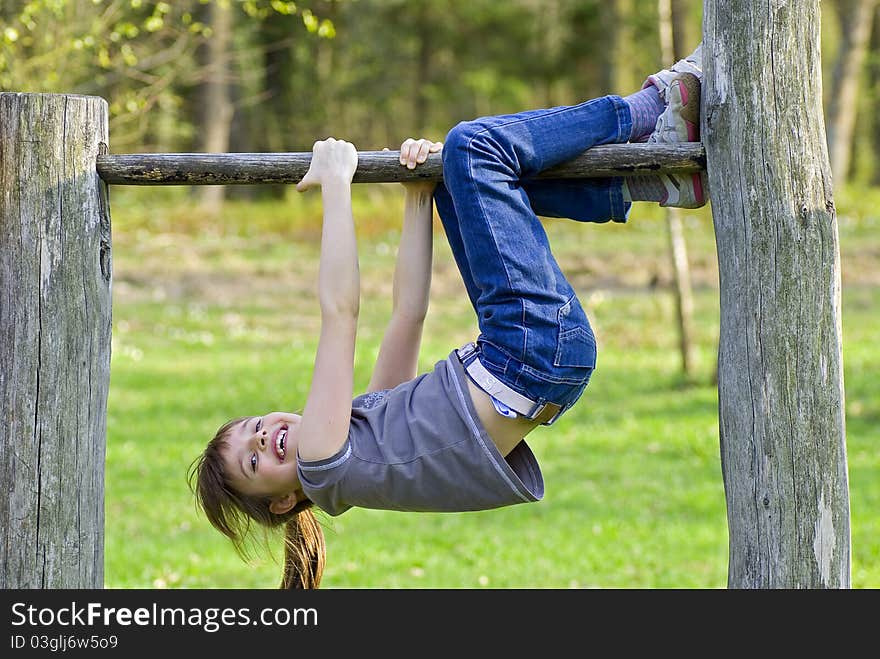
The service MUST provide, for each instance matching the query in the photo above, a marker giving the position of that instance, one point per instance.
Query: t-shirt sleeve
(320, 479)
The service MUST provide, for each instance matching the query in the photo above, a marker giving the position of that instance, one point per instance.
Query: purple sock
(645, 106)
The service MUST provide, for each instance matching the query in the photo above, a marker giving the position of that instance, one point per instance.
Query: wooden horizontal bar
(377, 166)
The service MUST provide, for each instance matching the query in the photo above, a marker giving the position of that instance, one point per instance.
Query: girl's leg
(675, 119)
(575, 200)
(534, 335)
(446, 211)
(581, 200)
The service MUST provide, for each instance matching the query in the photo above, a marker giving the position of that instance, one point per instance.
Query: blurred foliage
(138, 54)
(373, 71)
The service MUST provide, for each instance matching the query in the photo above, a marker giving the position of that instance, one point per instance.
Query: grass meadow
(217, 317)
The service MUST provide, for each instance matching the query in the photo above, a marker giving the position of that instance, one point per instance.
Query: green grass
(216, 319)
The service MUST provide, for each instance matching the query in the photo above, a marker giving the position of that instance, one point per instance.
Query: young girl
(451, 439)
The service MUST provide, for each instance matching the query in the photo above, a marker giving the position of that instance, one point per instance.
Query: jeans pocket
(575, 343)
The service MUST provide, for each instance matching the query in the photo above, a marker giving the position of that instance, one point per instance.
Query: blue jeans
(534, 334)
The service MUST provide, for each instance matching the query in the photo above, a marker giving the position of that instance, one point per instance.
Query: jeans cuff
(619, 207)
(624, 118)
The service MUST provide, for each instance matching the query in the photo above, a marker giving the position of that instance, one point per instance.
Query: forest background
(214, 287)
(267, 75)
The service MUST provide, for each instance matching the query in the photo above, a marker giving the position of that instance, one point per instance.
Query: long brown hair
(231, 513)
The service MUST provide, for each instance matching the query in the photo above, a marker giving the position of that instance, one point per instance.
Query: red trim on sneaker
(698, 189)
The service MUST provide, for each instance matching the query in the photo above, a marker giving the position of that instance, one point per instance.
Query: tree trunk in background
(873, 131)
(325, 67)
(619, 77)
(216, 112)
(271, 128)
(682, 41)
(856, 17)
(684, 299)
(425, 31)
(780, 378)
(550, 33)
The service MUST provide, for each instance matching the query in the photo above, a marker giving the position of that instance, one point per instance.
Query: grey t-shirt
(421, 447)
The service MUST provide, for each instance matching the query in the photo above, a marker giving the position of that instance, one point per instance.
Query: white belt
(496, 389)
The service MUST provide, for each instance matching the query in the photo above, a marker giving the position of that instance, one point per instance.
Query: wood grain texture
(780, 370)
(374, 166)
(55, 276)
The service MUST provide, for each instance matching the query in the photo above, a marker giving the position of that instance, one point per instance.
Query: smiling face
(260, 456)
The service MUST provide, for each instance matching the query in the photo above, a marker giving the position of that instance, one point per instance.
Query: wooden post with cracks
(780, 363)
(55, 316)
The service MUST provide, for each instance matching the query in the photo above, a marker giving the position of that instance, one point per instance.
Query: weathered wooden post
(55, 315)
(780, 375)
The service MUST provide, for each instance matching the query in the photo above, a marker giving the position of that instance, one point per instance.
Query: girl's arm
(399, 352)
(327, 412)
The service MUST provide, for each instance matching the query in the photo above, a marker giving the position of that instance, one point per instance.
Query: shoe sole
(699, 194)
(689, 89)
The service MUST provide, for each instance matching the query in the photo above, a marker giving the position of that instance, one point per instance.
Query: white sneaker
(684, 190)
(693, 63)
(680, 122)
